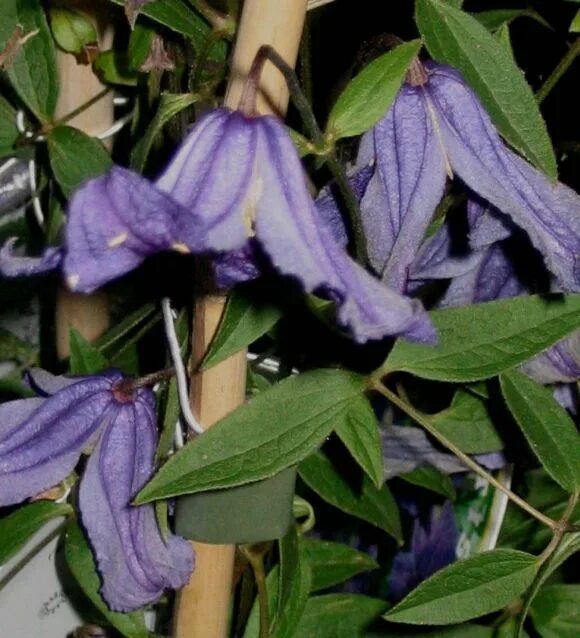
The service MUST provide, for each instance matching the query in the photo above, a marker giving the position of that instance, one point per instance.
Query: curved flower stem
(302, 105)
(425, 422)
(558, 72)
(255, 556)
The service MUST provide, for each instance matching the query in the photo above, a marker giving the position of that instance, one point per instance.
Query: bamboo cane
(89, 314)
(202, 607)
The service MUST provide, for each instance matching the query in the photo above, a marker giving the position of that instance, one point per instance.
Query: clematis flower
(437, 128)
(432, 548)
(234, 189)
(41, 440)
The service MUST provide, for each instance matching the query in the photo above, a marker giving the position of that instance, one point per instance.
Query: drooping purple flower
(432, 548)
(236, 181)
(439, 128)
(558, 364)
(135, 562)
(41, 440)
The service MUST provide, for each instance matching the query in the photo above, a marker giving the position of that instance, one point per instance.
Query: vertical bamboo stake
(89, 314)
(202, 607)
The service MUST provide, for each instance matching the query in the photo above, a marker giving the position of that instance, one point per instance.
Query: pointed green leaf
(8, 131)
(370, 94)
(81, 563)
(19, 526)
(275, 430)
(467, 423)
(32, 72)
(458, 39)
(85, 358)
(357, 497)
(548, 428)
(467, 589)
(75, 157)
(72, 30)
(243, 321)
(359, 432)
(294, 585)
(480, 341)
(432, 479)
(333, 563)
(496, 18)
(340, 616)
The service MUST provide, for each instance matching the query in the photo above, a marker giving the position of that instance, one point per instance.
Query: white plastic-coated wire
(115, 128)
(180, 375)
(36, 205)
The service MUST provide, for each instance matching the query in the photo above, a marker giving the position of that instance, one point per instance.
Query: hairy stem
(302, 105)
(425, 422)
(558, 72)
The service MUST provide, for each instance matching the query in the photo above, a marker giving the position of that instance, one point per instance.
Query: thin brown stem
(425, 422)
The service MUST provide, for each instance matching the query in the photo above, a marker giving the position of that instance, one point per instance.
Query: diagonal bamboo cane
(89, 314)
(202, 607)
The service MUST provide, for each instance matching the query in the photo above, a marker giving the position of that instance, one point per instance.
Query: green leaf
(495, 18)
(179, 17)
(19, 526)
(80, 561)
(477, 342)
(456, 38)
(275, 430)
(333, 563)
(549, 430)
(360, 434)
(244, 320)
(467, 589)
(129, 324)
(12, 348)
(8, 130)
(431, 479)
(339, 616)
(112, 67)
(575, 25)
(33, 72)
(370, 94)
(75, 157)
(361, 499)
(85, 358)
(139, 45)
(71, 29)
(169, 106)
(556, 611)
(293, 587)
(467, 424)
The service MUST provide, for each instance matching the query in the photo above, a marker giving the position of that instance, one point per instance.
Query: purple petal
(549, 213)
(432, 548)
(41, 440)
(407, 186)
(568, 396)
(327, 202)
(114, 222)
(212, 174)
(300, 245)
(12, 265)
(486, 225)
(236, 266)
(493, 277)
(46, 384)
(438, 258)
(559, 364)
(135, 563)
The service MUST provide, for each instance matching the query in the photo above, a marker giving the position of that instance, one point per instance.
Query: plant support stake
(202, 607)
